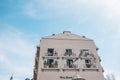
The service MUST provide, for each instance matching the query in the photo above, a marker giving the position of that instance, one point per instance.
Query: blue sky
(24, 22)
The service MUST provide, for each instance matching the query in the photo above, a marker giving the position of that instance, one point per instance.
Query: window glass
(88, 63)
(69, 51)
(50, 51)
(69, 63)
(50, 62)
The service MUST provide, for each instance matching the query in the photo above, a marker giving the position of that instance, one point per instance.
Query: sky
(24, 22)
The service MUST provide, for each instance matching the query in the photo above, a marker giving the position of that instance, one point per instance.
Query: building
(67, 56)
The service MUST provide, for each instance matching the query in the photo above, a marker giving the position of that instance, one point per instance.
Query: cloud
(13, 41)
(116, 73)
(16, 54)
(30, 10)
(108, 8)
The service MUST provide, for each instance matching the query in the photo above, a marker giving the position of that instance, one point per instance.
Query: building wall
(62, 73)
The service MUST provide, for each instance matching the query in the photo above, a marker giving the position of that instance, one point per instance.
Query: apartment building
(67, 56)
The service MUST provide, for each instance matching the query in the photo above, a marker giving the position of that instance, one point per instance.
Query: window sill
(51, 57)
(50, 69)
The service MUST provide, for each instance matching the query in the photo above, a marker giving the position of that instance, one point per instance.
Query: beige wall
(60, 45)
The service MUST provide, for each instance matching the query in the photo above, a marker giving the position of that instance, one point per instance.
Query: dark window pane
(50, 51)
(69, 51)
(50, 62)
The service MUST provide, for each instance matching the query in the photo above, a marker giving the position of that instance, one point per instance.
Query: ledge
(76, 69)
(90, 69)
(50, 57)
(88, 58)
(69, 57)
(50, 69)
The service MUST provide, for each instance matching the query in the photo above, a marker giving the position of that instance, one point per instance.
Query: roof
(66, 35)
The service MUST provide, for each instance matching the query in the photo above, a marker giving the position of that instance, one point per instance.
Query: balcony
(88, 55)
(51, 55)
(70, 67)
(69, 55)
(50, 67)
(89, 67)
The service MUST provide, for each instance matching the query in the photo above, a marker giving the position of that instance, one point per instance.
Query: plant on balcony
(56, 64)
(45, 64)
(56, 54)
(88, 65)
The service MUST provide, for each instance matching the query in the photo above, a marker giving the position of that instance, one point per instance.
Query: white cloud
(16, 54)
(116, 73)
(15, 42)
(107, 7)
(30, 10)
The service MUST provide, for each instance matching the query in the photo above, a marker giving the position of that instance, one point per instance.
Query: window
(69, 52)
(50, 63)
(88, 63)
(69, 63)
(86, 52)
(50, 51)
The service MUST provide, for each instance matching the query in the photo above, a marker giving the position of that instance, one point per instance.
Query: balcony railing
(51, 55)
(88, 55)
(50, 67)
(90, 67)
(69, 55)
(70, 67)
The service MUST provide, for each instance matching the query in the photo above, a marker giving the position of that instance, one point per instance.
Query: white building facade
(66, 55)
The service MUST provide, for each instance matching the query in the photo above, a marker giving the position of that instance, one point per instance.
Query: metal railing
(90, 66)
(70, 66)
